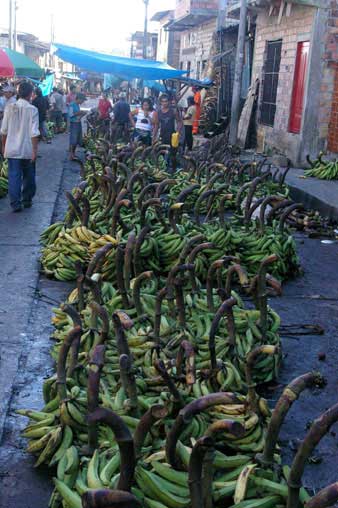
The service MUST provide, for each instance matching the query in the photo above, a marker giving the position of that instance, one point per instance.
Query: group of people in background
(24, 112)
(64, 112)
(23, 115)
(151, 121)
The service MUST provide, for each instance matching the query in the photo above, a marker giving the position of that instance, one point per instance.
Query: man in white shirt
(20, 136)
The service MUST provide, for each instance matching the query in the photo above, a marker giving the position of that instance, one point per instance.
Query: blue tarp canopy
(205, 83)
(154, 84)
(46, 85)
(126, 68)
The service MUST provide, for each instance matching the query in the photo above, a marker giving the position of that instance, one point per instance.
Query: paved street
(26, 303)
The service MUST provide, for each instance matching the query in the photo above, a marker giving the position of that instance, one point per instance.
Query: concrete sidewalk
(321, 195)
(19, 269)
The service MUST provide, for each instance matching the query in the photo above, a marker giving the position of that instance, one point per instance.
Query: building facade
(39, 52)
(136, 47)
(195, 21)
(168, 43)
(296, 62)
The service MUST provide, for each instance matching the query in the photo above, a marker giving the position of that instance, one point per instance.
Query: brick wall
(199, 50)
(185, 6)
(333, 126)
(329, 90)
(293, 29)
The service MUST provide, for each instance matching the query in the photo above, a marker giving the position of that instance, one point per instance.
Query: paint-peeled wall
(293, 29)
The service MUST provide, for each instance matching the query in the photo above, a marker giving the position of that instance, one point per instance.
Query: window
(204, 65)
(188, 68)
(181, 66)
(270, 82)
(161, 36)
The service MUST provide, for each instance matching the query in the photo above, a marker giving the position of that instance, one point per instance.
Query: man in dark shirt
(166, 120)
(121, 112)
(42, 104)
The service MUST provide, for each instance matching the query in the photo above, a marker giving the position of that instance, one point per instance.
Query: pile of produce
(323, 169)
(136, 204)
(166, 338)
(3, 178)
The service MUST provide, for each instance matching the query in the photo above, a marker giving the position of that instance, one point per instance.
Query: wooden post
(236, 94)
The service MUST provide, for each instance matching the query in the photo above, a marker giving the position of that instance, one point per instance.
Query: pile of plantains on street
(3, 177)
(161, 346)
(321, 168)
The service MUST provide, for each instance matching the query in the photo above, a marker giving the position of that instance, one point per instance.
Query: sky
(98, 25)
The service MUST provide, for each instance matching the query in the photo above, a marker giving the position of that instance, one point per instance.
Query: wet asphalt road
(310, 299)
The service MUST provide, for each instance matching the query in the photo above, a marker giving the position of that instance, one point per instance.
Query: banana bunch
(254, 248)
(58, 258)
(325, 170)
(50, 234)
(3, 178)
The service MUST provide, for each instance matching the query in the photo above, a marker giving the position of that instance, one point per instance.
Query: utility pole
(236, 93)
(221, 13)
(220, 24)
(10, 32)
(145, 33)
(52, 59)
(14, 37)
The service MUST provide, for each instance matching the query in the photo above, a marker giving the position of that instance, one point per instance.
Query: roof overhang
(255, 5)
(160, 15)
(193, 18)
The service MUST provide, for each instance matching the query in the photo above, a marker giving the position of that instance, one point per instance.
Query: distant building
(195, 21)
(136, 47)
(39, 52)
(168, 44)
(27, 44)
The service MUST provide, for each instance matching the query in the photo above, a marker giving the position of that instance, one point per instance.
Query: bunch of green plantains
(203, 212)
(157, 406)
(163, 343)
(3, 178)
(323, 169)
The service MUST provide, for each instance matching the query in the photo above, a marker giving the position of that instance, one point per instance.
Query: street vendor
(188, 121)
(105, 108)
(75, 129)
(198, 103)
(166, 120)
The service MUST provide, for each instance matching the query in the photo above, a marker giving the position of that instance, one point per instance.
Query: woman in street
(188, 121)
(75, 129)
(143, 125)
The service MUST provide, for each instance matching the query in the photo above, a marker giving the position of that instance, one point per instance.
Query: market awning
(204, 83)
(127, 68)
(13, 63)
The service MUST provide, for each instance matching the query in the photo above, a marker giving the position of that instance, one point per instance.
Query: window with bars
(270, 82)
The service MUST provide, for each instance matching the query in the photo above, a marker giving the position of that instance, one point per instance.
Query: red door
(299, 83)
